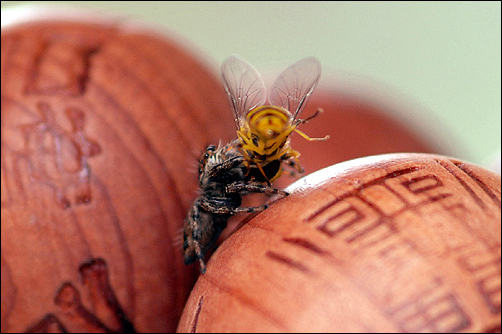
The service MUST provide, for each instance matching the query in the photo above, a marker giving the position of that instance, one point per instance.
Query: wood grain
(359, 127)
(390, 243)
(102, 123)
(101, 128)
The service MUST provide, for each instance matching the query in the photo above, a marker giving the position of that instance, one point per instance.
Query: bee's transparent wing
(293, 87)
(244, 86)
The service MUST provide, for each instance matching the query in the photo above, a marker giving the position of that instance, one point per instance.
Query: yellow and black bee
(264, 130)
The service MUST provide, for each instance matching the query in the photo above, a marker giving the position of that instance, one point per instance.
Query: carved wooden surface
(359, 127)
(392, 243)
(101, 127)
(97, 158)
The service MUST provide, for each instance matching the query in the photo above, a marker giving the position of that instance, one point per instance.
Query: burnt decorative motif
(57, 156)
(106, 316)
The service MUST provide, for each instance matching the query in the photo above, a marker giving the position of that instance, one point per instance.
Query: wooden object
(390, 243)
(358, 127)
(102, 124)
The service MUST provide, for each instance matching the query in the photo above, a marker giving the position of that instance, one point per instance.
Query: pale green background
(442, 56)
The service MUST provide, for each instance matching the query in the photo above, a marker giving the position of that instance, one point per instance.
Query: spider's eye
(205, 156)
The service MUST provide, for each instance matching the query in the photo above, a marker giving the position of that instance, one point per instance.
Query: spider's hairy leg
(221, 205)
(253, 187)
(190, 240)
(200, 257)
(225, 166)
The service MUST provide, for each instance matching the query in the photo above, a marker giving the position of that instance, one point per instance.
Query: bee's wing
(244, 86)
(293, 87)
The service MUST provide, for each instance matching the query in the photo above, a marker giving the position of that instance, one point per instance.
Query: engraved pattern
(495, 197)
(356, 216)
(108, 316)
(193, 329)
(287, 261)
(486, 271)
(70, 91)
(430, 312)
(60, 68)
(57, 157)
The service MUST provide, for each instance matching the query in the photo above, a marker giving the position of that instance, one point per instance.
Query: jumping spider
(223, 179)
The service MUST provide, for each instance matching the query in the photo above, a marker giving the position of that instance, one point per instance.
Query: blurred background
(441, 58)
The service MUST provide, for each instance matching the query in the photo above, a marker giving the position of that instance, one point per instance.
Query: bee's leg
(304, 135)
(291, 159)
(291, 173)
(247, 159)
(294, 163)
(248, 167)
(306, 120)
(263, 173)
(314, 115)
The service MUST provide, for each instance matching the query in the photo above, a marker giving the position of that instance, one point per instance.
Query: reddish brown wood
(391, 243)
(357, 127)
(101, 129)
